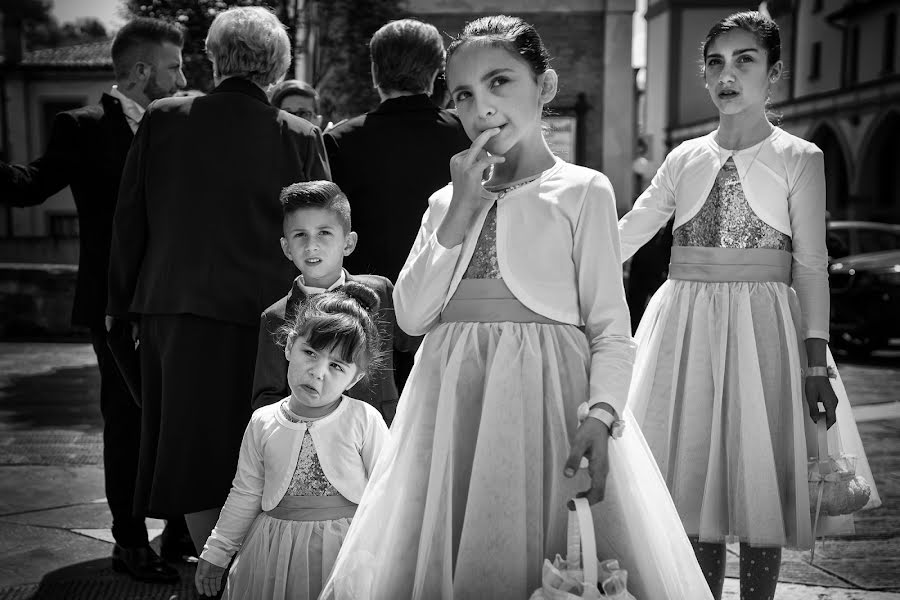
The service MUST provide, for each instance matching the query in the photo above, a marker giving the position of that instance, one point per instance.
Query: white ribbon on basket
(579, 570)
(581, 546)
(824, 474)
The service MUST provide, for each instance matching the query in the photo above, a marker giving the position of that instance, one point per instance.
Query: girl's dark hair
(763, 28)
(341, 321)
(511, 33)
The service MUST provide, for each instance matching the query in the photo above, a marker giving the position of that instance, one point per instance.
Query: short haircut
(132, 42)
(249, 42)
(294, 87)
(316, 194)
(405, 55)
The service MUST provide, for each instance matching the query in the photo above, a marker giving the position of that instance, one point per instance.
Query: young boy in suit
(317, 237)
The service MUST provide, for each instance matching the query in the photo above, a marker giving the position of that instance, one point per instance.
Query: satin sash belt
(694, 263)
(313, 508)
(488, 301)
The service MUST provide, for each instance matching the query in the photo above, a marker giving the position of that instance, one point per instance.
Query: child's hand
(208, 578)
(466, 171)
(818, 389)
(591, 441)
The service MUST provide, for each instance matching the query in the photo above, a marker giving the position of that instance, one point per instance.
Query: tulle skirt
(718, 393)
(284, 559)
(469, 496)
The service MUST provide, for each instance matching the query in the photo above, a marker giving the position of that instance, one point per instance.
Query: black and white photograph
(449, 300)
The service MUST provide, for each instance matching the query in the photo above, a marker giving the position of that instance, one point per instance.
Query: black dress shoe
(176, 544)
(177, 550)
(143, 564)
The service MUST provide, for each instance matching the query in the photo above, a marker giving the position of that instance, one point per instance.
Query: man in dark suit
(195, 259)
(389, 161)
(87, 151)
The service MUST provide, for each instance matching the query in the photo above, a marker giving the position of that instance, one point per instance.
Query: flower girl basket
(834, 487)
(578, 575)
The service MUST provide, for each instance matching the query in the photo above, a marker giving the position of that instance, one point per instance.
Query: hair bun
(363, 294)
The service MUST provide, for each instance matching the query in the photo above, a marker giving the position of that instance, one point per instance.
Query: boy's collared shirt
(311, 291)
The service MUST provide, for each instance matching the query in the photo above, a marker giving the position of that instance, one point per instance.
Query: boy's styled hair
(293, 87)
(343, 320)
(131, 42)
(317, 194)
(405, 55)
(249, 42)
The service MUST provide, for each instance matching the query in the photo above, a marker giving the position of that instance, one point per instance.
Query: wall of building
(30, 95)
(811, 28)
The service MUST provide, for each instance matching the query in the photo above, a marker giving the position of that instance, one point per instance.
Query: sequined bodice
(483, 264)
(308, 478)
(484, 260)
(727, 220)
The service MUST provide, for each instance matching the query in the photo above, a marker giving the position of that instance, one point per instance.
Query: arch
(836, 178)
(878, 178)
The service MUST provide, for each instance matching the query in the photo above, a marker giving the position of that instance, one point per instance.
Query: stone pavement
(54, 524)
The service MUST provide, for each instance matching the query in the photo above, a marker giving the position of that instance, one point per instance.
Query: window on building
(852, 56)
(815, 61)
(817, 6)
(890, 44)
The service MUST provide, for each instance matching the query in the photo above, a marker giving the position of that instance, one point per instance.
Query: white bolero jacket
(348, 442)
(783, 178)
(558, 252)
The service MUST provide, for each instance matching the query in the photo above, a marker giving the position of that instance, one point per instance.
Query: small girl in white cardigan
(304, 461)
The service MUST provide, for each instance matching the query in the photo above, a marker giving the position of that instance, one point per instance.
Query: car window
(876, 240)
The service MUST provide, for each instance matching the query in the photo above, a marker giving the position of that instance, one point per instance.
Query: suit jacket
(86, 151)
(378, 389)
(389, 162)
(198, 220)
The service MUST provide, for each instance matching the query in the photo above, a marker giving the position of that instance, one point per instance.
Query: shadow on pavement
(65, 398)
(96, 579)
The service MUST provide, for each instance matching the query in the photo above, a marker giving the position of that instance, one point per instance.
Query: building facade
(33, 89)
(841, 90)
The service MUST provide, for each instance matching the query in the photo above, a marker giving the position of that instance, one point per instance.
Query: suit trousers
(121, 445)
(196, 382)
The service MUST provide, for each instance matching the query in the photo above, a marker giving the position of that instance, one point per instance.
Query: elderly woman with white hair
(195, 259)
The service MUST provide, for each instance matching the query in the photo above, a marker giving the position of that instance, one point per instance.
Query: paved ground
(54, 524)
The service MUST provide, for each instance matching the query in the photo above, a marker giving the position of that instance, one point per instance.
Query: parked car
(864, 275)
(847, 238)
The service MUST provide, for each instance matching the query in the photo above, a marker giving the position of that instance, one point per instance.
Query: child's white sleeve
(651, 211)
(377, 436)
(601, 295)
(809, 268)
(243, 505)
(423, 283)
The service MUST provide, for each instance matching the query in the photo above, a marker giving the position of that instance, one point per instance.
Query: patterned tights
(759, 567)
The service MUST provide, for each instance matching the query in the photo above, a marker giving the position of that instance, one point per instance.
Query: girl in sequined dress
(732, 342)
(516, 283)
(304, 461)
